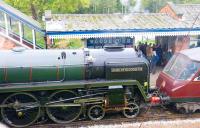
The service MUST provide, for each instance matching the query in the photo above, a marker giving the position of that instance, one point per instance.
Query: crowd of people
(154, 54)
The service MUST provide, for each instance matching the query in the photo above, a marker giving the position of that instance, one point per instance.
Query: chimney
(48, 15)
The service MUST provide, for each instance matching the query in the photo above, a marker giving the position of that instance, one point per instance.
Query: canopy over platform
(116, 25)
(192, 53)
(123, 33)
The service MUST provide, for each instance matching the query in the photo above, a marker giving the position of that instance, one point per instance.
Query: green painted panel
(75, 73)
(137, 72)
(53, 74)
(2, 76)
(116, 97)
(18, 75)
(95, 72)
(181, 100)
(40, 74)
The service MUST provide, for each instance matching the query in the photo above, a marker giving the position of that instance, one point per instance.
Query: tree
(188, 1)
(68, 6)
(153, 5)
(29, 7)
(110, 6)
(36, 8)
(103, 6)
(156, 5)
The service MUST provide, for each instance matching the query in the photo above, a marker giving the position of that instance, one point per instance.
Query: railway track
(115, 118)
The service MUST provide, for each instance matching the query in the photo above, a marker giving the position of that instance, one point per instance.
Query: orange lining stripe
(57, 72)
(5, 74)
(30, 74)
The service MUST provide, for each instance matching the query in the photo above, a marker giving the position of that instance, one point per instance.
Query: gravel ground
(194, 123)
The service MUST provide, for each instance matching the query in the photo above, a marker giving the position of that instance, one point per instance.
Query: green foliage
(36, 8)
(156, 5)
(68, 6)
(40, 40)
(108, 6)
(132, 2)
(75, 44)
(103, 6)
(68, 43)
(189, 1)
(28, 36)
(2, 23)
(30, 7)
(149, 42)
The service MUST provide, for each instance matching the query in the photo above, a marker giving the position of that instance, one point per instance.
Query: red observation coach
(180, 80)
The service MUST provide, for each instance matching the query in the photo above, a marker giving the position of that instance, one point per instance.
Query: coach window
(189, 70)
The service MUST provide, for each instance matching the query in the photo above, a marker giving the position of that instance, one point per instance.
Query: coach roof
(193, 53)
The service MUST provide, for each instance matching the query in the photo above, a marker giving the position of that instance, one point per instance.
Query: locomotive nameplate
(127, 69)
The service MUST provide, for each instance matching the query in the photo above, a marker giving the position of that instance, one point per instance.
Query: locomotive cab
(180, 79)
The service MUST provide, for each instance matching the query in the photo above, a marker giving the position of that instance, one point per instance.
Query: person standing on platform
(153, 63)
(159, 53)
(149, 53)
(168, 55)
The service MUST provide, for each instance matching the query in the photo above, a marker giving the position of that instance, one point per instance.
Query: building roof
(115, 25)
(84, 22)
(192, 53)
(189, 13)
(19, 15)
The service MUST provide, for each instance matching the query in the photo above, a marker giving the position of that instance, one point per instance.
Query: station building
(170, 28)
(188, 14)
(98, 30)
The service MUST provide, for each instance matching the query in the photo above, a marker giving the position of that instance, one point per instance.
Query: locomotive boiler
(64, 84)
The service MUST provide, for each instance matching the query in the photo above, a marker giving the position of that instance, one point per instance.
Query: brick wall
(6, 43)
(168, 10)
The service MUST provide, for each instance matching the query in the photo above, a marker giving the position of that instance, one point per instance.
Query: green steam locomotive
(64, 84)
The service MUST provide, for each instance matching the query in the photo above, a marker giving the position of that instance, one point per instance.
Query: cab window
(181, 67)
